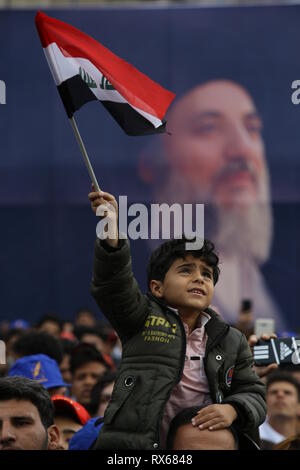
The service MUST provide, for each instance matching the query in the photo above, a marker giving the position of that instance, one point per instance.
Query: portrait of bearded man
(216, 155)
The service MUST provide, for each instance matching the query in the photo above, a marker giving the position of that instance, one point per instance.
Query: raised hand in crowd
(262, 371)
(109, 210)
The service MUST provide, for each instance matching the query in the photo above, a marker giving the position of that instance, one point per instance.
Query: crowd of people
(59, 377)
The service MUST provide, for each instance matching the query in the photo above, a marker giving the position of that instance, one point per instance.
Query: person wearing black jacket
(160, 333)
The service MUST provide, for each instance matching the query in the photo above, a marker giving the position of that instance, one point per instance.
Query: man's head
(50, 324)
(101, 393)
(38, 342)
(91, 335)
(87, 365)
(69, 417)
(283, 396)
(183, 435)
(183, 279)
(26, 416)
(216, 142)
(293, 369)
(10, 338)
(85, 317)
(216, 156)
(64, 366)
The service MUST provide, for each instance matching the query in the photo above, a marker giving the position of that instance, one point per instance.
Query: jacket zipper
(177, 316)
(181, 368)
(212, 345)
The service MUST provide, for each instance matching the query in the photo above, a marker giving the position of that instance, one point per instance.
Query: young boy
(177, 352)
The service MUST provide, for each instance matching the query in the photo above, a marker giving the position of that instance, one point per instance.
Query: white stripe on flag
(63, 68)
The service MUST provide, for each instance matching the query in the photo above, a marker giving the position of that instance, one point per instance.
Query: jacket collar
(158, 301)
(215, 327)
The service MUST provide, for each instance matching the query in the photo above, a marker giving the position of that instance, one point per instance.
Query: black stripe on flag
(132, 122)
(74, 93)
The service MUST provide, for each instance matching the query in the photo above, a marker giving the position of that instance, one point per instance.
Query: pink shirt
(193, 388)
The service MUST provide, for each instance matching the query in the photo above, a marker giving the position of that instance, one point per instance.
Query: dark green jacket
(154, 344)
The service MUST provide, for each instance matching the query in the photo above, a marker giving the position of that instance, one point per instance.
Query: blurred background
(47, 227)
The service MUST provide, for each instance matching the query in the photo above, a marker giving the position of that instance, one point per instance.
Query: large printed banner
(233, 144)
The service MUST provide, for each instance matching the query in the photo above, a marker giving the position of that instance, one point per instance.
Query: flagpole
(84, 153)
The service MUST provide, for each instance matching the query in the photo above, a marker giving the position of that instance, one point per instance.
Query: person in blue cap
(19, 324)
(43, 369)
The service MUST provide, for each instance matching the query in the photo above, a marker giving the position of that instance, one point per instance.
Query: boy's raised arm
(113, 284)
(107, 202)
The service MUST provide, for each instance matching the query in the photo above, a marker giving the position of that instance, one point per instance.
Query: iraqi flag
(84, 70)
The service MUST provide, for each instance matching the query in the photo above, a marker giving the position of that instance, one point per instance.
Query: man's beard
(45, 442)
(235, 232)
(241, 229)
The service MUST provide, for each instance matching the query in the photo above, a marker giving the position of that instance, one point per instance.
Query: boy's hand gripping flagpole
(84, 70)
(84, 153)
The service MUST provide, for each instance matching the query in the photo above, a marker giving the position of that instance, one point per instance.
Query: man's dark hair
(49, 317)
(283, 376)
(84, 353)
(21, 388)
(38, 342)
(13, 332)
(107, 378)
(289, 367)
(84, 310)
(184, 417)
(164, 256)
(80, 331)
(66, 412)
(67, 345)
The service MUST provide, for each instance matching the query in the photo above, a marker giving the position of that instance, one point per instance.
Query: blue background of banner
(47, 227)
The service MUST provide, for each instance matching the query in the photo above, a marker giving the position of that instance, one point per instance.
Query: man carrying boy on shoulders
(177, 352)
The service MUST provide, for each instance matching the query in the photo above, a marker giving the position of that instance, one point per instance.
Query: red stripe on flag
(138, 89)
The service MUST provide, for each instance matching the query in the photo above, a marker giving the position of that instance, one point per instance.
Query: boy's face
(188, 285)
